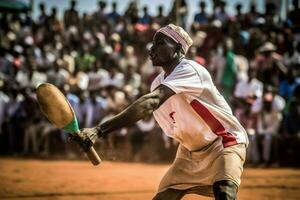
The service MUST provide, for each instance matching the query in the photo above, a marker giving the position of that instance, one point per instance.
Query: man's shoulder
(156, 82)
(191, 65)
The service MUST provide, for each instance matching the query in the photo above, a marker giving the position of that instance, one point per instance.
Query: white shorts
(204, 167)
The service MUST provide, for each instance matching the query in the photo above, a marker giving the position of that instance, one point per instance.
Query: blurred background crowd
(100, 62)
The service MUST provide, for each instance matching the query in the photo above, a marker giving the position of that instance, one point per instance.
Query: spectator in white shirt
(269, 115)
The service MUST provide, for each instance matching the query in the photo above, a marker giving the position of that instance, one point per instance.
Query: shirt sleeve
(278, 103)
(184, 78)
(256, 106)
(239, 90)
(156, 82)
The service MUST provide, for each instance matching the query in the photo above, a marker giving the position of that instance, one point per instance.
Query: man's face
(163, 50)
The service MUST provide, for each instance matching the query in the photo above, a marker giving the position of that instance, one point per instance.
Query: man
(71, 16)
(188, 107)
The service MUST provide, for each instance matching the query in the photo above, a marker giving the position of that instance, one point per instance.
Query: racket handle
(93, 156)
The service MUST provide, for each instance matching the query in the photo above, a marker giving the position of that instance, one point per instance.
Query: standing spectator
(43, 16)
(146, 18)
(71, 17)
(100, 15)
(94, 106)
(178, 13)
(268, 110)
(221, 14)
(216, 65)
(131, 14)
(29, 116)
(201, 18)
(229, 73)
(4, 99)
(113, 16)
(160, 18)
(252, 16)
(293, 19)
(144, 127)
(246, 92)
(54, 23)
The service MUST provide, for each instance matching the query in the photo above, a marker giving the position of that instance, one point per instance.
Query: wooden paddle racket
(55, 106)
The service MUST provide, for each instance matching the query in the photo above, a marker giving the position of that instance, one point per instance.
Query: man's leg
(170, 194)
(225, 190)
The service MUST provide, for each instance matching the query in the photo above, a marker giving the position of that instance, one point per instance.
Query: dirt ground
(39, 179)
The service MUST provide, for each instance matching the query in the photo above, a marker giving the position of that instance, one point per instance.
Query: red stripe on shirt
(213, 123)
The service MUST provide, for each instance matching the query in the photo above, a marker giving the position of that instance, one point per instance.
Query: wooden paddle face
(59, 112)
(54, 105)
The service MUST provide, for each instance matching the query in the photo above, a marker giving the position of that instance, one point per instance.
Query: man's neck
(171, 66)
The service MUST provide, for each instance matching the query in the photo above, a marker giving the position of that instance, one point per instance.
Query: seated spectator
(129, 59)
(269, 62)
(57, 76)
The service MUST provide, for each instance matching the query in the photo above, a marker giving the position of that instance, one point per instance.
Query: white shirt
(93, 112)
(243, 66)
(278, 104)
(268, 122)
(245, 89)
(146, 125)
(197, 114)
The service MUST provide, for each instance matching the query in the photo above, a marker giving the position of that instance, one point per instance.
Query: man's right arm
(142, 107)
(139, 109)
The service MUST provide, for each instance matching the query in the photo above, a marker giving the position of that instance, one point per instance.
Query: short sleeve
(256, 106)
(184, 78)
(278, 103)
(240, 90)
(156, 82)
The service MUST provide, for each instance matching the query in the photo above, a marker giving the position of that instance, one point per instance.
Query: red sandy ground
(38, 179)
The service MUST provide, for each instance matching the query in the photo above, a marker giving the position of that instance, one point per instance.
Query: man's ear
(179, 50)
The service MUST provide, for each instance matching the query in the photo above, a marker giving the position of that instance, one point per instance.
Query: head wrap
(178, 34)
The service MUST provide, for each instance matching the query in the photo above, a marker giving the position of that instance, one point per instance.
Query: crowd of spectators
(100, 62)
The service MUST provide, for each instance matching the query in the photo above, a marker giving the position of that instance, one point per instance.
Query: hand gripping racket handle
(93, 156)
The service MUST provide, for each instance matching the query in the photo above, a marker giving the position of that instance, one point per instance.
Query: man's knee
(225, 190)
